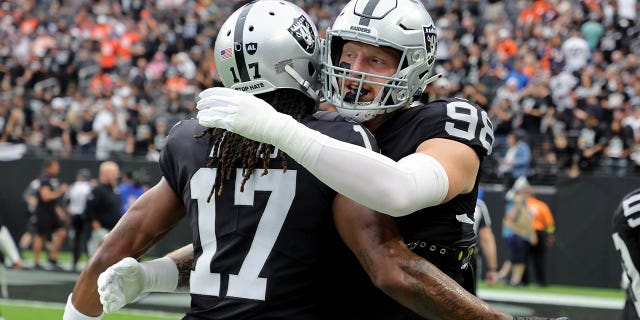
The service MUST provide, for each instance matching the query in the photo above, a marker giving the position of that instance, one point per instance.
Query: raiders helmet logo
(251, 47)
(302, 31)
(430, 42)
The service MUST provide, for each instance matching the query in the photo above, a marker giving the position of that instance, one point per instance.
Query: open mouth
(352, 94)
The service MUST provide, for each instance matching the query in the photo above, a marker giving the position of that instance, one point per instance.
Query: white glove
(241, 113)
(71, 313)
(124, 281)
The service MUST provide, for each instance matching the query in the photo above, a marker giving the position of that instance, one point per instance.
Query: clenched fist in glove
(241, 113)
(251, 117)
(124, 281)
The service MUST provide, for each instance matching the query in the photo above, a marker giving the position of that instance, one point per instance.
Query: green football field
(40, 295)
(27, 310)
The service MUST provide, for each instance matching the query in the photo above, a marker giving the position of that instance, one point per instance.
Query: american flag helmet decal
(226, 53)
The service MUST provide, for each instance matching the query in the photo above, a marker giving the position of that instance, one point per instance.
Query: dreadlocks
(231, 150)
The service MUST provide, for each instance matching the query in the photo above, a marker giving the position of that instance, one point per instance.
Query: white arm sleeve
(371, 179)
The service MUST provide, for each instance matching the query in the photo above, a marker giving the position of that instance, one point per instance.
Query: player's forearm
(407, 278)
(371, 179)
(183, 258)
(85, 293)
(428, 291)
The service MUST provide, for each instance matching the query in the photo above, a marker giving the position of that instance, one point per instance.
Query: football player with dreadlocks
(377, 60)
(258, 218)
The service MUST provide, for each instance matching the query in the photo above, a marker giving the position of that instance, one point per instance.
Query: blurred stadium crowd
(106, 79)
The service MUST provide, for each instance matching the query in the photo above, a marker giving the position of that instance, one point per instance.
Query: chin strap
(432, 79)
(304, 83)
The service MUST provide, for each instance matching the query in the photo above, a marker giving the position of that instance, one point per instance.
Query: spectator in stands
(576, 51)
(561, 85)
(58, 139)
(591, 143)
(105, 124)
(140, 133)
(617, 148)
(14, 129)
(86, 137)
(592, 30)
(517, 160)
(159, 139)
(502, 117)
(535, 101)
(566, 154)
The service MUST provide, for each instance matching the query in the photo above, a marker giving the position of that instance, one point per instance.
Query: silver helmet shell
(404, 25)
(268, 45)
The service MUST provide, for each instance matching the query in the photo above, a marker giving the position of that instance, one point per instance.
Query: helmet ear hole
(311, 68)
(336, 49)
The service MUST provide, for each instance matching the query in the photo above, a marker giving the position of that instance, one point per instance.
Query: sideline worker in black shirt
(103, 204)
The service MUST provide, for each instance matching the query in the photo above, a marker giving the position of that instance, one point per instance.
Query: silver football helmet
(268, 45)
(404, 25)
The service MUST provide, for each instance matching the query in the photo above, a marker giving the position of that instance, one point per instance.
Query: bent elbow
(391, 283)
(400, 206)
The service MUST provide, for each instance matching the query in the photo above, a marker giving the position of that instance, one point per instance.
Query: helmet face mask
(402, 25)
(269, 45)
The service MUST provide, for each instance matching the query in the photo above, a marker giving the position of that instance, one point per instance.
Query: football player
(626, 239)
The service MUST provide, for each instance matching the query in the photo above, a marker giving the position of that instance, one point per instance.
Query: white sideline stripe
(55, 305)
(552, 299)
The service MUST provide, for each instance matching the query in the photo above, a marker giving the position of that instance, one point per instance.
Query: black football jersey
(627, 215)
(626, 240)
(452, 118)
(445, 224)
(257, 251)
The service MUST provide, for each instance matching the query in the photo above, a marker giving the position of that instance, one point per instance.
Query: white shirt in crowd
(576, 53)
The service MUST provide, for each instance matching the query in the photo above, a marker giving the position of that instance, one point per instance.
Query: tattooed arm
(183, 258)
(398, 272)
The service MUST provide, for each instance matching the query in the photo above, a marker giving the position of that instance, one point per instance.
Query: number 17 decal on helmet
(252, 42)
